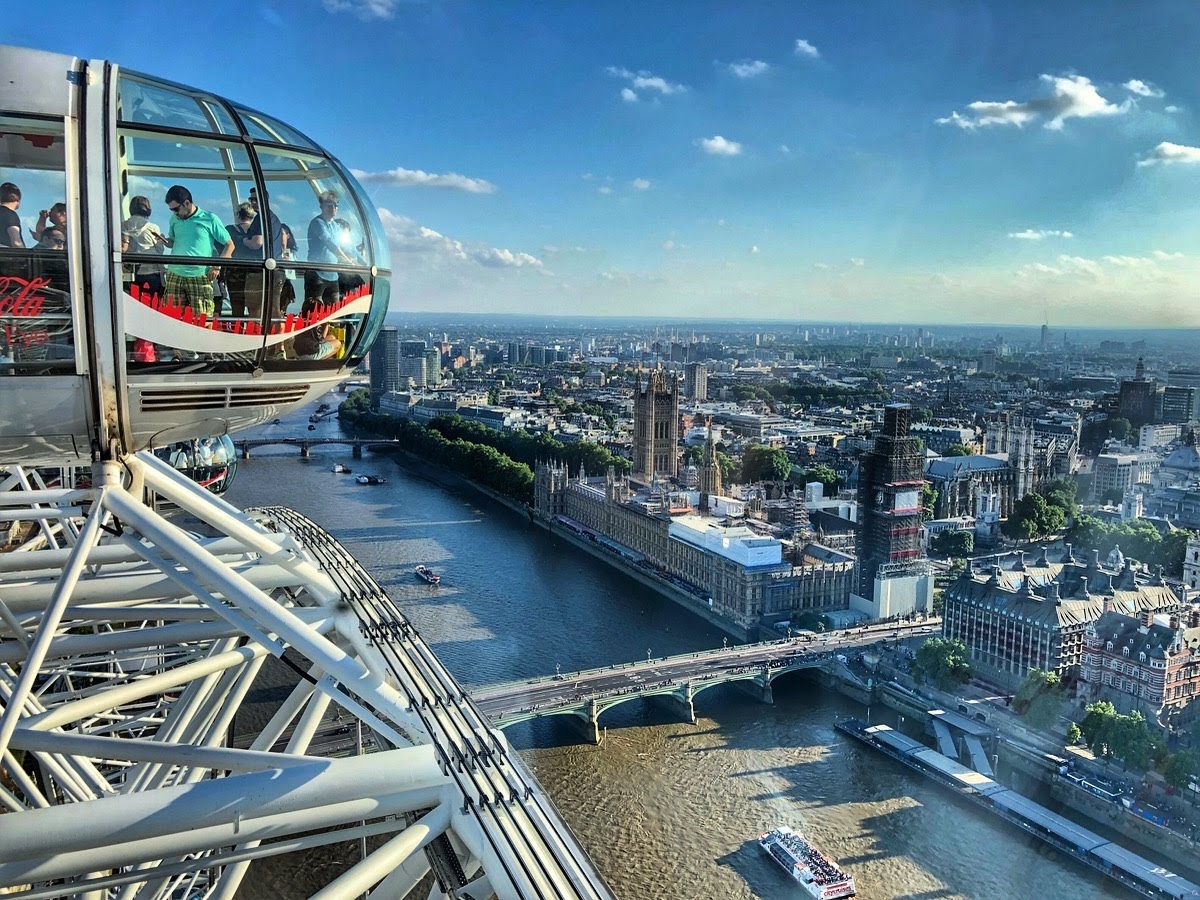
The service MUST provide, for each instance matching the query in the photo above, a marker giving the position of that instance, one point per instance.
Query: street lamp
(647, 654)
(725, 643)
(557, 670)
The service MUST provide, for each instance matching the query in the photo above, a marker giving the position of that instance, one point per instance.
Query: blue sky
(892, 161)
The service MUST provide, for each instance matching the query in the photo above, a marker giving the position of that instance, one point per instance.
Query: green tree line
(480, 463)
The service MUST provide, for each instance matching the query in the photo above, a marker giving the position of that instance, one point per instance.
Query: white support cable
(183, 712)
(133, 750)
(224, 811)
(49, 624)
(128, 589)
(228, 858)
(193, 585)
(22, 780)
(14, 625)
(358, 879)
(353, 676)
(108, 555)
(234, 523)
(78, 778)
(152, 685)
(402, 880)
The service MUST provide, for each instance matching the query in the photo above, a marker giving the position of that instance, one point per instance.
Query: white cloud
(750, 68)
(1071, 97)
(755, 249)
(857, 261)
(640, 184)
(1168, 154)
(669, 245)
(1171, 109)
(1142, 89)
(644, 81)
(821, 266)
(1030, 234)
(604, 189)
(1112, 270)
(497, 258)
(364, 9)
(418, 178)
(408, 236)
(804, 48)
(719, 146)
(784, 148)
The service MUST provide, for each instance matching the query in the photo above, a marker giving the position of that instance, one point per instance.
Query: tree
(945, 662)
(1183, 768)
(1073, 734)
(1119, 428)
(765, 464)
(1039, 698)
(728, 467)
(929, 499)
(826, 476)
(1174, 549)
(1033, 517)
(955, 542)
(958, 450)
(1123, 737)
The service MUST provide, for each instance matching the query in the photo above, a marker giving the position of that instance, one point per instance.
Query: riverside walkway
(676, 680)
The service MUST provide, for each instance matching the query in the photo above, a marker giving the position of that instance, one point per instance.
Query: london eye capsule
(173, 264)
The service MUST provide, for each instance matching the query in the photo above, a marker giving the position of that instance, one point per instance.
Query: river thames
(668, 811)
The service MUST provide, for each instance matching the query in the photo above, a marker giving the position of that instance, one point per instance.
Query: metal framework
(132, 649)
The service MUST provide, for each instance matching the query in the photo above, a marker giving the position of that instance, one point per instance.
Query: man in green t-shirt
(193, 232)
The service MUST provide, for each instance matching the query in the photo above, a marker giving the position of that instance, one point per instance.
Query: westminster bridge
(303, 444)
(674, 681)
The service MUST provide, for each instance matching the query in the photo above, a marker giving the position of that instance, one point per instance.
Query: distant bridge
(304, 443)
(674, 681)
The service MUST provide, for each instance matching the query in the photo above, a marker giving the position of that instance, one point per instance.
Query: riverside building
(1015, 615)
(1146, 663)
(741, 575)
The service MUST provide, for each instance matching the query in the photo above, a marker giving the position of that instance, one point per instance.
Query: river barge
(1138, 874)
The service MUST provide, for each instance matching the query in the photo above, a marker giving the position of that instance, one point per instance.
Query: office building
(1179, 404)
(695, 382)
(385, 370)
(1015, 615)
(1138, 396)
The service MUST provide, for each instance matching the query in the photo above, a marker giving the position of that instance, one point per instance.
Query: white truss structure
(132, 647)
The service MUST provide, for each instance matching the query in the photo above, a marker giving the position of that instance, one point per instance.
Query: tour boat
(428, 575)
(370, 479)
(820, 876)
(339, 469)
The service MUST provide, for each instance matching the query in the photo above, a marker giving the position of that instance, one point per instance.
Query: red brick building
(1149, 663)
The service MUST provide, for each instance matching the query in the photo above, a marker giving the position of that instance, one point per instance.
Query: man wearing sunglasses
(193, 232)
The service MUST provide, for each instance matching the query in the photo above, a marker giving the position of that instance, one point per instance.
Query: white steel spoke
(139, 758)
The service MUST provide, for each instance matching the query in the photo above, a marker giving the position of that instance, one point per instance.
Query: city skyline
(1000, 164)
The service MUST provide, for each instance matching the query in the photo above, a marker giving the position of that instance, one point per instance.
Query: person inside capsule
(193, 232)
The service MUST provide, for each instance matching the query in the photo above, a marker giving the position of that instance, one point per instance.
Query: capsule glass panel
(266, 128)
(325, 262)
(153, 103)
(36, 334)
(186, 293)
